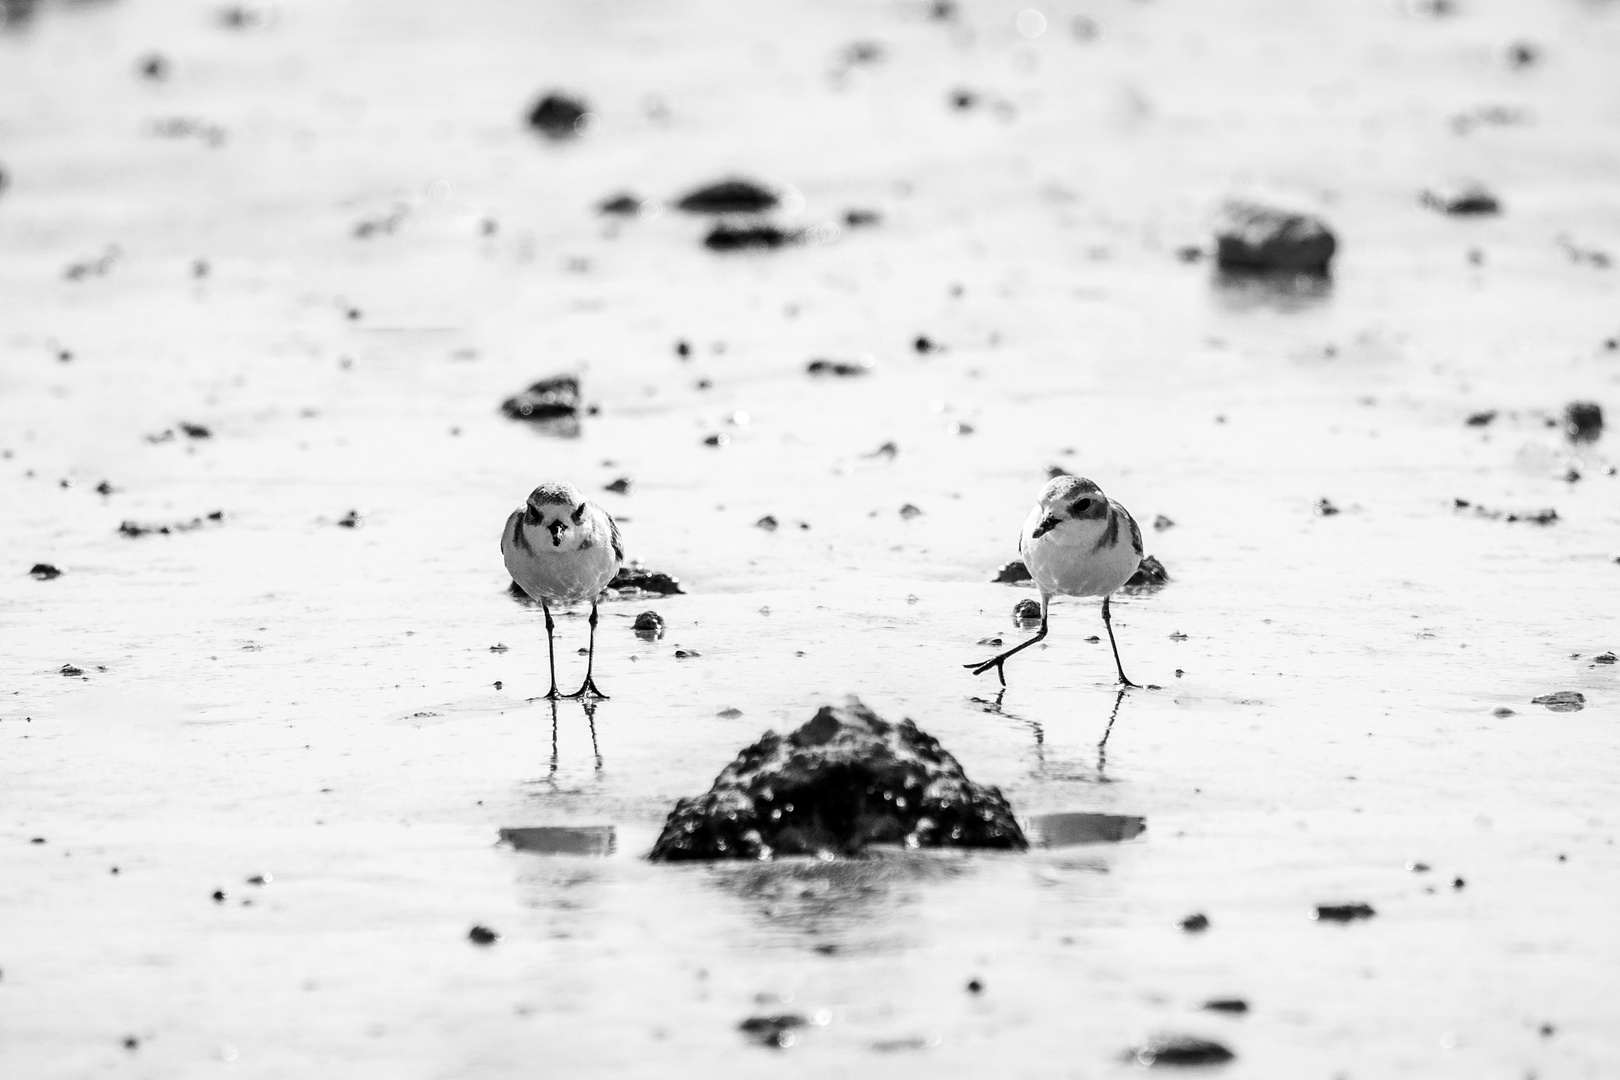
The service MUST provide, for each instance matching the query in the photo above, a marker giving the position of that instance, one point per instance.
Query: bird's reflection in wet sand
(994, 707)
(589, 708)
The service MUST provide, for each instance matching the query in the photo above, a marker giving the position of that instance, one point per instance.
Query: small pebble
(1195, 923)
(482, 935)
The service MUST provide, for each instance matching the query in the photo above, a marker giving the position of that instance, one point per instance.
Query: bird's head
(559, 509)
(1069, 498)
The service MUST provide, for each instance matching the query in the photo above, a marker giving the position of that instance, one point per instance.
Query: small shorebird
(1076, 542)
(563, 550)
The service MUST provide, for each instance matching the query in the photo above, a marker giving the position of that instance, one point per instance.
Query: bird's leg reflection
(1102, 746)
(590, 718)
(994, 706)
(553, 773)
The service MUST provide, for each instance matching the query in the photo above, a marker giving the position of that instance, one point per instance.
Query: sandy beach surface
(290, 272)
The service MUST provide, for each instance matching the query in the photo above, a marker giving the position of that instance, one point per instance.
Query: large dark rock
(843, 781)
(1250, 236)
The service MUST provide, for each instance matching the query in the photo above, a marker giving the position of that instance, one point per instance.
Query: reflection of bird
(1076, 542)
(562, 550)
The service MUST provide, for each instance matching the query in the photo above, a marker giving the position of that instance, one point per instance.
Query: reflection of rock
(548, 399)
(1067, 830)
(842, 781)
(1249, 236)
(561, 839)
(724, 237)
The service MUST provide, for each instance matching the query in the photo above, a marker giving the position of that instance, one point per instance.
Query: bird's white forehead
(1063, 489)
(555, 495)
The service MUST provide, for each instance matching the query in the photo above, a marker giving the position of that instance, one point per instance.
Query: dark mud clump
(623, 204)
(1468, 197)
(649, 626)
(1583, 420)
(1150, 575)
(1325, 508)
(44, 571)
(1545, 516)
(1012, 573)
(482, 935)
(634, 581)
(1174, 1049)
(1562, 701)
(71, 672)
(724, 237)
(1249, 236)
(548, 399)
(1196, 923)
(841, 368)
(844, 780)
(1236, 1006)
(1026, 614)
(1482, 418)
(774, 1031)
(135, 529)
(1342, 912)
(557, 115)
(733, 196)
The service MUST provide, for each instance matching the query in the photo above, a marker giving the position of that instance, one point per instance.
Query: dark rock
(1325, 508)
(910, 511)
(963, 99)
(131, 1043)
(105, 488)
(1227, 1005)
(352, 520)
(1196, 923)
(623, 204)
(842, 781)
(633, 581)
(548, 399)
(134, 529)
(1464, 198)
(843, 368)
(724, 237)
(772, 1030)
(195, 431)
(155, 67)
(925, 345)
(1458, 883)
(1562, 701)
(1162, 523)
(887, 450)
(1026, 613)
(1012, 573)
(1150, 575)
(686, 654)
(1173, 1049)
(719, 438)
(70, 671)
(621, 486)
(1249, 236)
(682, 349)
(219, 896)
(1604, 658)
(557, 115)
(482, 935)
(733, 196)
(1521, 54)
(1482, 418)
(1055, 471)
(1583, 420)
(859, 219)
(1342, 912)
(768, 523)
(44, 571)
(975, 986)
(649, 626)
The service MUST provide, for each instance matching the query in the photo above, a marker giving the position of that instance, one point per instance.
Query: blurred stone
(1150, 575)
(635, 580)
(548, 399)
(1012, 573)
(1562, 701)
(1583, 420)
(725, 237)
(1462, 198)
(1169, 1048)
(733, 196)
(841, 782)
(1249, 236)
(1342, 912)
(557, 116)
(649, 626)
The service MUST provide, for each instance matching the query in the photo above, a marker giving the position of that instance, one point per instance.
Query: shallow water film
(300, 300)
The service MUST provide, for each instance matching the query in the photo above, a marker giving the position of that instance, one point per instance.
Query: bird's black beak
(557, 528)
(1047, 524)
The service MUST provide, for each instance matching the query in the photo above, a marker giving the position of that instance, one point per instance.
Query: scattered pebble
(909, 511)
(768, 523)
(352, 520)
(1521, 54)
(718, 439)
(1562, 701)
(925, 345)
(70, 671)
(1342, 912)
(219, 896)
(558, 116)
(1481, 419)
(134, 529)
(975, 986)
(727, 237)
(729, 713)
(623, 204)
(1605, 658)
(621, 486)
(637, 580)
(1227, 1005)
(687, 654)
(1458, 883)
(1175, 1049)
(649, 626)
(1026, 612)
(861, 219)
(154, 66)
(548, 399)
(482, 935)
(1417, 867)
(261, 879)
(1012, 573)
(1249, 236)
(1462, 198)
(497, 648)
(1324, 508)
(844, 368)
(1503, 711)
(732, 196)
(1161, 523)
(775, 1031)
(1196, 923)
(1583, 420)
(44, 571)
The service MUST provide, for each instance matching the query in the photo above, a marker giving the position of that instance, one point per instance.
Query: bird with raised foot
(561, 549)
(1076, 542)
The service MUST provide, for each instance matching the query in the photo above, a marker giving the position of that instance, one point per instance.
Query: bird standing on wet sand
(1076, 542)
(561, 549)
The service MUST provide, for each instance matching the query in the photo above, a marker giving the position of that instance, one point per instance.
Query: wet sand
(275, 694)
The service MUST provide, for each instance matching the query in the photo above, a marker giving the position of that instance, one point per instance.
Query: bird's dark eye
(579, 514)
(532, 516)
(1081, 506)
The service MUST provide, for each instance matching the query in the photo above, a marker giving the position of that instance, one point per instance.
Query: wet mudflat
(330, 238)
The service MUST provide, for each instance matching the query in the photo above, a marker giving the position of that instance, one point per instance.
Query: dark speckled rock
(842, 781)
(1249, 236)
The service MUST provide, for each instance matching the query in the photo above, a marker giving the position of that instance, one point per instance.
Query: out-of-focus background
(267, 273)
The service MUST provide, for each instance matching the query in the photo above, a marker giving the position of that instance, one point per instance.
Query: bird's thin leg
(1109, 622)
(551, 652)
(1001, 658)
(589, 685)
